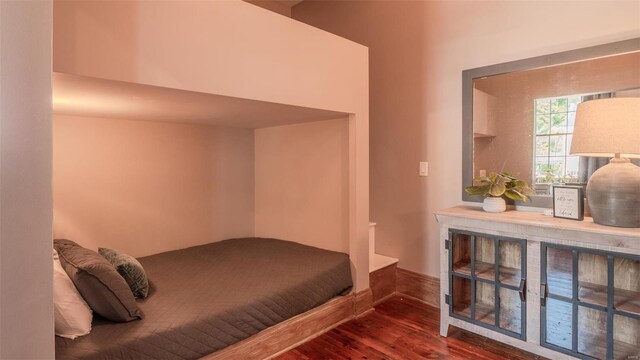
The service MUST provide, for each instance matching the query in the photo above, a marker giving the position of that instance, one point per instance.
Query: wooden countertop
(542, 223)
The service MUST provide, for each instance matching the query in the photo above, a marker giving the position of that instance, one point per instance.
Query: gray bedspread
(207, 297)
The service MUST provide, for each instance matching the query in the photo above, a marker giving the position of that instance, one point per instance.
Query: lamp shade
(606, 127)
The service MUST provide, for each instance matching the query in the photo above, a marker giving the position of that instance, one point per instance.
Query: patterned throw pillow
(101, 286)
(130, 269)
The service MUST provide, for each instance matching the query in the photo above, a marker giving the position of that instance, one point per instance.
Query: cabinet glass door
(487, 281)
(592, 332)
(626, 337)
(590, 302)
(559, 270)
(559, 323)
(592, 278)
(510, 257)
(461, 295)
(510, 310)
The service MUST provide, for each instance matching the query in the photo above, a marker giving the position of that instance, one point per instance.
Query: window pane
(573, 103)
(571, 120)
(543, 173)
(571, 168)
(542, 124)
(559, 105)
(558, 123)
(556, 168)
(557, 145)
(542, 145)
(555, 117)
(543, 106)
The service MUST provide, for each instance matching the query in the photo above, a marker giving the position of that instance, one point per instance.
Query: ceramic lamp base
(613, 194)
(494, 204)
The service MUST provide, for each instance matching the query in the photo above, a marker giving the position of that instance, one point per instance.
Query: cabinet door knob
(521, 291)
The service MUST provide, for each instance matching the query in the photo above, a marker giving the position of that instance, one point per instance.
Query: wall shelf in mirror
(508, 127)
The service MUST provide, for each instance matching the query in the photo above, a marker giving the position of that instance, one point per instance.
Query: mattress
(207, 297)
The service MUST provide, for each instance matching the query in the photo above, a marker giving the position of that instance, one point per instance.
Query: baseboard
(363, 302)
(418, 286)
(383, 283)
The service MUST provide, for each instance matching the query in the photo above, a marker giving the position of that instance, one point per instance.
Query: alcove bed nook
(180, 124)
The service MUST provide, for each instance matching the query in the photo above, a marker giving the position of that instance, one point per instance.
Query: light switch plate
(483, 172)
(424, 168)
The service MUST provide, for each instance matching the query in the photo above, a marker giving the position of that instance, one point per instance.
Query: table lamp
(611, 128)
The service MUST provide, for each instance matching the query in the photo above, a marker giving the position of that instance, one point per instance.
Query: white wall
(418, 51)
(229, 48)
(145, 187)
(463, 36)
(302, 183)
(26, 307)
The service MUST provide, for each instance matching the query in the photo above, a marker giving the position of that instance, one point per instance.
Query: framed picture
(568, 202)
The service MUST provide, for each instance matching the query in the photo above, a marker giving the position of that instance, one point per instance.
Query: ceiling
(92, 97)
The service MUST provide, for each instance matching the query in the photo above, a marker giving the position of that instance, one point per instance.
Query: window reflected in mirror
(523, 121)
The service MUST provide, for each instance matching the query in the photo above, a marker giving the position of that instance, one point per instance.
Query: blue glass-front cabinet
(487, 281)
(590, 302)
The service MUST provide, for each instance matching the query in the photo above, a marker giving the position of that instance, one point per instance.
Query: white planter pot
(494, 204)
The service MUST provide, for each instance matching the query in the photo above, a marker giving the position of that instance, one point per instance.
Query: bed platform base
(297, 330)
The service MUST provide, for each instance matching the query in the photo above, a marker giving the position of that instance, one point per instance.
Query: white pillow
(72, 314)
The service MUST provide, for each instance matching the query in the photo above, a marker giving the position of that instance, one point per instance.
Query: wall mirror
(518, 116)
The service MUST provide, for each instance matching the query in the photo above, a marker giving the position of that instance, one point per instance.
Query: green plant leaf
(515, 195)
(497, 189)
(501, 184)
(477, 190)
(525, 190)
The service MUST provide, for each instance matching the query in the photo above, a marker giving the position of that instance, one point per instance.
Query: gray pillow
(106, 292)
(130, 269)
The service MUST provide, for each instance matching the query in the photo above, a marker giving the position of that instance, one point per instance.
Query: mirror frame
(592, 52)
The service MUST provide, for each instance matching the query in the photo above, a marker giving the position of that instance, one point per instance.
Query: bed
(205, 298)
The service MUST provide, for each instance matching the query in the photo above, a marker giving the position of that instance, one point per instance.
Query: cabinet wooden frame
(577, 303)
(496, 282)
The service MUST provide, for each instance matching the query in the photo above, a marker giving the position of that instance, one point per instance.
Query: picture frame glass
(568, 202)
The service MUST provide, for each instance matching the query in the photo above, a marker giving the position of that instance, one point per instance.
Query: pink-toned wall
(26, 270)
(229, 48)
(418, 50)
(145, 187)
(302, 183)
(274, 6)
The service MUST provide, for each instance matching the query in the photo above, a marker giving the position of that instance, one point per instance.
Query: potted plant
(495, 186)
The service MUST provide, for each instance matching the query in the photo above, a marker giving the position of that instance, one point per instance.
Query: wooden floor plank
(402, 328)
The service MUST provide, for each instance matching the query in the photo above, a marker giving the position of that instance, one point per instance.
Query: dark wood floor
(401, 328)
